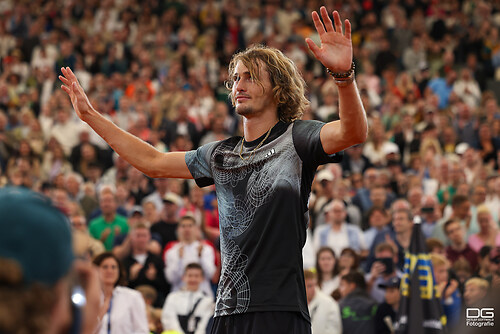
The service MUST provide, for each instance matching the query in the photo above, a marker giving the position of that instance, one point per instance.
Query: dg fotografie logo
(480, 317)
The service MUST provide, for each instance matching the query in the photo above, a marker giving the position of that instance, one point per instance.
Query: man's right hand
(76, 93)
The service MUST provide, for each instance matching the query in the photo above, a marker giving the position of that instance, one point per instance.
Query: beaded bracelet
(343, 79)
(342, 75)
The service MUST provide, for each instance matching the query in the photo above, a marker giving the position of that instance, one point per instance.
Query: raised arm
(138, 153)
(335, 53)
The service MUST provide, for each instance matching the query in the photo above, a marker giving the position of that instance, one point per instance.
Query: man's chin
(244, 110)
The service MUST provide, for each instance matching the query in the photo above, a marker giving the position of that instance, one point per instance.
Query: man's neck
(254, 127)
(138, 252)
(459, 246)
(109, 217)
(337, 225)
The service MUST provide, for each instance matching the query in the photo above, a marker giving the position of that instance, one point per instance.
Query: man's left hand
(335, 52)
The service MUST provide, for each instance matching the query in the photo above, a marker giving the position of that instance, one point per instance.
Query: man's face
(392, 296)
(462, 210)
(140, 238)
(310, 288)
(473, 294)
(346, 288)
(440, 274)
(250, 98)
(484, 221)
(192, 279)
(108, 203)
(378, 219)
(455, 232)
(186, 230)
(378, 196)
(337, 213)
(401, 222)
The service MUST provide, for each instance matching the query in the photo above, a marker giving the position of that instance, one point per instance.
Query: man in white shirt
(324, 310)
(189, 250)
(337, 233)
(188, 310)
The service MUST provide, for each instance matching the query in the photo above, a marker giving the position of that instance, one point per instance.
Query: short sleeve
(307, 141)
(198, 163)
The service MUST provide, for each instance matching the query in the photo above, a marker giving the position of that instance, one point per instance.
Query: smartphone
(388, 263)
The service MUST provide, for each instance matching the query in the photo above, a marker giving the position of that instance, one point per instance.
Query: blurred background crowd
(428, 73)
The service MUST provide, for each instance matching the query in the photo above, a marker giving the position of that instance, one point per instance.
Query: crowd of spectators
(426, 71)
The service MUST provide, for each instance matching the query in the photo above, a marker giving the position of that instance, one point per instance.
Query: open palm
(76, 93)
(335, 51)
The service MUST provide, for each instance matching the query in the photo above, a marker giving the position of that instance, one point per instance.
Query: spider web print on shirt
(234, 288)
(263, 173)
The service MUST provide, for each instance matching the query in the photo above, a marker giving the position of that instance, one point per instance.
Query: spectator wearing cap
(165, 229)
(143, 267)
(337, 233)
(323, 309)
(109, 224)
(388, 309)
(356, 306)
(35, 267)
(189, 249)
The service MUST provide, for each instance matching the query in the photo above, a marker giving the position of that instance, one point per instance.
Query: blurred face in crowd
(473, 294)
(336, 213)
(346, 288)
(107, 203)
(462, 210)
(484, 220)
(392, 296)
(378, 219)
(326, 261)
(401, 222)
(440, 273)
(378, 196)
(310, 288)
(109, 271)
(79, 223)
(140, 238)
(192, 279)
(187, 230)
(455, 232)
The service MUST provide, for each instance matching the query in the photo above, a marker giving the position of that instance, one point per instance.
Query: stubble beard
(244, 110)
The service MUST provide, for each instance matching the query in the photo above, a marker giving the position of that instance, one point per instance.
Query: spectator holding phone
(382, 270)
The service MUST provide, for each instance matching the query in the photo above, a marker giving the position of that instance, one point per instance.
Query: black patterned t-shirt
(263, 214)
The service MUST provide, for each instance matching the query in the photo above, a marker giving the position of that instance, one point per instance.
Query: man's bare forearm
(352, 114)
(137, 152)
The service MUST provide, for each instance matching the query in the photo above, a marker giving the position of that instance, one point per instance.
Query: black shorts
(272, 322)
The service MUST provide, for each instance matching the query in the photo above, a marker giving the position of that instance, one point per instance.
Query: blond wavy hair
(286, 80)
(23, 309)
